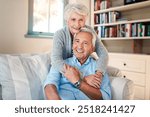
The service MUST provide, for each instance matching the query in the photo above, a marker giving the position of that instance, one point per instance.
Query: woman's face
(75, 22)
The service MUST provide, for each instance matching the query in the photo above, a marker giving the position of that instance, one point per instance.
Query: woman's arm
(102, 61)
(102, 53)
(62, 48)
(57, 51)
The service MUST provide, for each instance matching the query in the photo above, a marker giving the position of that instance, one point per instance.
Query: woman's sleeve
(102, 53)
(57, 51)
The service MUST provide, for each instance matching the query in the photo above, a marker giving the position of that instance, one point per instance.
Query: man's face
(82, 46)
(75, 22)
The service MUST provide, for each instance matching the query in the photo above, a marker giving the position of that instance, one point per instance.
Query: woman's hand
(94, 80)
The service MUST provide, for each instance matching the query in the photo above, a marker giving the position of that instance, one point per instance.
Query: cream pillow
(21, 76)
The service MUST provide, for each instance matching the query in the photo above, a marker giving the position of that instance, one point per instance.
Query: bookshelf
(130, 53)
(133, 14)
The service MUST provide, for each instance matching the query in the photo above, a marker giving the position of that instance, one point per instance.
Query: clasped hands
(73, 75)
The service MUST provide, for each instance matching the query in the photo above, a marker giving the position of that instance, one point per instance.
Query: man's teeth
(80, 51)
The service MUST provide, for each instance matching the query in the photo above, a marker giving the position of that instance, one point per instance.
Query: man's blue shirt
(66, 89)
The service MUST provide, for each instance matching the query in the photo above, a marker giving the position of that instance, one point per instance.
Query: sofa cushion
(21, 76)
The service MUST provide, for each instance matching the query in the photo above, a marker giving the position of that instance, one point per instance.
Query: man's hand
(71, 73)
(94, 80)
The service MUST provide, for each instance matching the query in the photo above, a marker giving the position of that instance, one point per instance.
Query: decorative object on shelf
(132, 1)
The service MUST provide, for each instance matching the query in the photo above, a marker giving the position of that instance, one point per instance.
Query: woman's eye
(73, 19)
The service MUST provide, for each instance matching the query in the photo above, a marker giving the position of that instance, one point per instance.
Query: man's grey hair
(77, 8)
(85, 29)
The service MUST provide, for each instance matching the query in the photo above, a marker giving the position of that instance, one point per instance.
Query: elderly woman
(76, 16)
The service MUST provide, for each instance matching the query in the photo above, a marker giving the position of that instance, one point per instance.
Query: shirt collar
(78, 63)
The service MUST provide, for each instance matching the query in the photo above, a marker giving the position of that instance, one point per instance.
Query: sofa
(22, 77)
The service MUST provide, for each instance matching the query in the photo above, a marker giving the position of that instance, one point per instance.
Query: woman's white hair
(77, 8)
(85, 29)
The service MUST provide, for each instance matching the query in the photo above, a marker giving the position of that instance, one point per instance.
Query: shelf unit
(137, 42)
(134, 6)
(133, 66)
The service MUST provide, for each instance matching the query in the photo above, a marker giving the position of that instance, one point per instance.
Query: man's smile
(79, 50)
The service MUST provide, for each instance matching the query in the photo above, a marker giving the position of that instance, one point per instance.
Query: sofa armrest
(122, 88)
(0, 92)
(113, 71)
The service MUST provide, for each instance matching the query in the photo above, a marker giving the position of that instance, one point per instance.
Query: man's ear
(93, 49)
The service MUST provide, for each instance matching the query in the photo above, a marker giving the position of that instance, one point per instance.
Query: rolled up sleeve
(106, 88)
(53, 77)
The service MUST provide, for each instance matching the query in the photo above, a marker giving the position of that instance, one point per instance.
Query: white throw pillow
(22, 76)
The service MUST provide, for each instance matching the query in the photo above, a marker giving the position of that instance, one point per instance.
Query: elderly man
(71, 85)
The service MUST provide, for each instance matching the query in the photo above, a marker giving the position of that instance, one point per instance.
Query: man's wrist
(98, 71)
(78, 83)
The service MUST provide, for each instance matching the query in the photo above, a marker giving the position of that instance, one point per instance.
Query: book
(147, 28)
(122, 30)
(128, 30)
(134, 30)
(97, 5)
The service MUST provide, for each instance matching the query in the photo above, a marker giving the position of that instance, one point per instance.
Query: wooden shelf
(125, 7)
(125, 38)
(139, 14)
(122, 22)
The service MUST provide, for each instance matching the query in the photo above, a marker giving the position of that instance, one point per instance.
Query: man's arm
(51, 92)
(73, 75)
(91, 92)
(94, 80)
(104, 92)
(51, 84)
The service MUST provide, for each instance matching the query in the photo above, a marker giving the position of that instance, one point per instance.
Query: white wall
(13, 26)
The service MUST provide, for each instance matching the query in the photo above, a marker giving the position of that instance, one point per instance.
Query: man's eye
(81, 20)
(85, 43)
